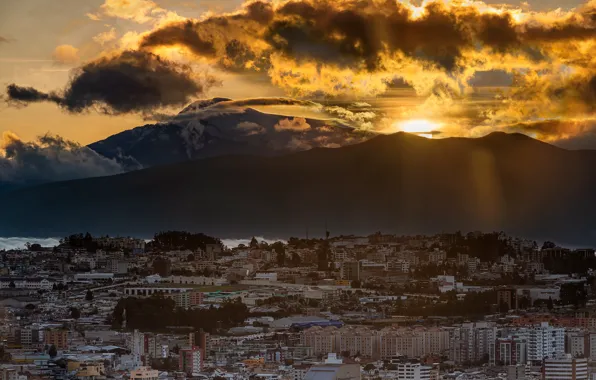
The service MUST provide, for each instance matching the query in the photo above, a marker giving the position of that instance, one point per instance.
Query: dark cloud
(24, 95)
(50, 158)
(133, 81)
(358, 32)
(570, 134)
(274, 101)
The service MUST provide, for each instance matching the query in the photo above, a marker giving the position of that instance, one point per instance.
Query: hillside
(398, 183)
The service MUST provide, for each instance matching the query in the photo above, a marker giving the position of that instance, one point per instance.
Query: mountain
(397, 183)
(221, 126)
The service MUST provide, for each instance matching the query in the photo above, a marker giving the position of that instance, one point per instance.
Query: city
(183, 306)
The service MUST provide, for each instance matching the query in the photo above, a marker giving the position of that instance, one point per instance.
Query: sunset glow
(420, 127)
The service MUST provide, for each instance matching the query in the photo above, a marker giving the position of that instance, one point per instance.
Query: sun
(417, 126)
(421, 127)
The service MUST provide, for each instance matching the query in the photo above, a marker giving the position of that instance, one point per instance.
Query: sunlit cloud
(344, 49)
(66, 54)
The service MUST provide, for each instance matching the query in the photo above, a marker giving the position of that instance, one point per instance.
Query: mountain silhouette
(218, 127)
(398, 183)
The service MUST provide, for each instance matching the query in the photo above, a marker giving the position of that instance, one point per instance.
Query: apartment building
(56, 337)
(565, 368)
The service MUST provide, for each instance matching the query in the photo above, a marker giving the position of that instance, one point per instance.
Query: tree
(550, 304)
(53, 352)
(254, 243)
(190, 257)
(279, 248)
(161, 266)
(75, 313)
(12, 285)
(503, 307)
(296, 259)
(369, 367)
(89, 295)
(355, 284)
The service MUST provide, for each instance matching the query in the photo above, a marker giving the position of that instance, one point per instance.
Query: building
(472, 342)
(190, 360)
(565, 368)
(507, 297)
(511, 351)
(350, 270)
(516, 372)
(29, 337)
(213, 251)
(545, 341)
(576, 342)
(119, 266)
(144, 373)
(268, 276)
(26, 283)
(413, 371)
(333, 372)
(56, 337)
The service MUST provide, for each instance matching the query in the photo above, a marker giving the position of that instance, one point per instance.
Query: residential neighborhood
(186, 306)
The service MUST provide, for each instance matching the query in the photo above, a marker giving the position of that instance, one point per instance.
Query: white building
(413, 371)
(565, 368)
(445, 283)
(269, 276)
(546, 341)
(26, 283)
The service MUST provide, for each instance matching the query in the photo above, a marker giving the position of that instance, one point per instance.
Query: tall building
(565, 368)
(56, 337)
(360, 340)
(472, 342)
(576, 343)
(350, 270)
(507, 296)
(545, 341)
(591, 351)
(190, 360)
(413, 343)
(511, 351)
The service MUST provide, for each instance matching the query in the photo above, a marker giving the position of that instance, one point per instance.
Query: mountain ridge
(398, 183)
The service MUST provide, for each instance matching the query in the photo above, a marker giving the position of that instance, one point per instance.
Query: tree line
(156, 313)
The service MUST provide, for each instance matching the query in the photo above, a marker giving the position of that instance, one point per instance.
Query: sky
(84, 70)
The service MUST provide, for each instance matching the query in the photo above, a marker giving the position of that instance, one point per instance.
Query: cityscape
(297, 189)
(180, 306)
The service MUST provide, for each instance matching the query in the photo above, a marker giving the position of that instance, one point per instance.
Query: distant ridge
(398, 183)
(218, 127)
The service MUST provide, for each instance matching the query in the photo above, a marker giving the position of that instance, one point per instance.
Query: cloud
(8, 243)
(296, 124)
(105, 37)
(66, 54)
(136, 10)
(233, 243)
(139, 11)
(363, 120)
(132, 81)
(93, 16)
(3, 40)
(50, 158)
(579, 133)
(250, 128)
(23, 95)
